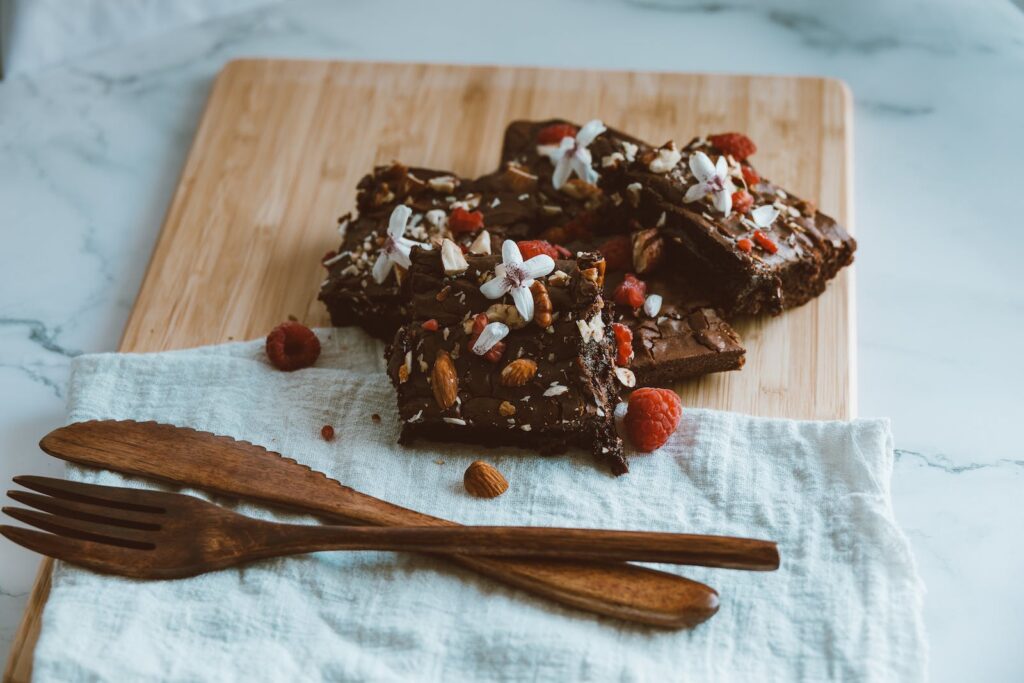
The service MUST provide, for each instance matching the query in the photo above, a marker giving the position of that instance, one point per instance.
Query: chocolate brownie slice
(750, 246)
(353, 292)
(490, 358)
(476, 214)
(686, 336)
(676, 334)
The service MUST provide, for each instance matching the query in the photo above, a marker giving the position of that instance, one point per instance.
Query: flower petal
(563, 169)
(400, 255)
(723, 201)
(701, 166)
(582, 166)
(496, 287)
(722, 168)
(523, 299)
(381, 268)
(539, 266)
(764, 216)
(589, 131)
(491, 335)
(695, 192)
(399, 219)
(510, 253)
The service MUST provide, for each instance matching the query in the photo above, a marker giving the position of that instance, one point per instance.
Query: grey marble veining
(90, 152)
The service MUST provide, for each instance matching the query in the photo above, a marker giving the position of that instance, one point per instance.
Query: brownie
(687, 337)
(547, 385)
(508, 204)
(743, 266)
(350, 292)
(680, 337)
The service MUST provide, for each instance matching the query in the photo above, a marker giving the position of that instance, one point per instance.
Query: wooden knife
(229, 467)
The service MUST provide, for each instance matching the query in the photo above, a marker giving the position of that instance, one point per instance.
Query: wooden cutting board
(283, 143)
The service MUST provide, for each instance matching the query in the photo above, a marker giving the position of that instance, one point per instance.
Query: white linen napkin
(845, 605)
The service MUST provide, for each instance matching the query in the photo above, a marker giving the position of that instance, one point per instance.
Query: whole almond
(484, 481)
(518, 372)
(444, 381)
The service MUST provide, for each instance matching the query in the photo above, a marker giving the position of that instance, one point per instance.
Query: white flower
(396, 246)
(513, 276)
(572, 156)
(712, 179)
(764, 216)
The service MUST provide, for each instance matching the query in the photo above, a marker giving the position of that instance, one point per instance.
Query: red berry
(765, 242)
(652, 417)
(631, 292)
(744, 245)
(479, 323)
(742, 202)
(750, 175)
(462, 221)
(494, 355)
(327, 432)
(618, 253)
(553, 134)
(623, 344)
(292, 346)
(430, 325)
(736, 144)
(531, 248)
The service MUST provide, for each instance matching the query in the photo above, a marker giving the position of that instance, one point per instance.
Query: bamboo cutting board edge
(19, 664)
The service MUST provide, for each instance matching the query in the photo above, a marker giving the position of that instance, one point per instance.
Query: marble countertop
(91, 148)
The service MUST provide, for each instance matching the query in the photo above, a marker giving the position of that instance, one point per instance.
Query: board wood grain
(282, 144)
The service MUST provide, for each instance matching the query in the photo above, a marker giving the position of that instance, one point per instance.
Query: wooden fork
(154, 535)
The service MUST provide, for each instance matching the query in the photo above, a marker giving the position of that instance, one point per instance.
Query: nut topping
(648, 250)
(542, 307)
(506, 409)
(518, 372)
(444, 381)
(484, 481)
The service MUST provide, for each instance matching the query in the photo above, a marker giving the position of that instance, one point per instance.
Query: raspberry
(553, 134)
(292, 346)
(327, 432)
(531, 248)
(744, 245)
(618, 253)
(623, 344)
(430, 325)
(742, 202)
(631, 292)
(765, 242)
(652, 417)
(736, 144)
(750, 175)
(462, 221)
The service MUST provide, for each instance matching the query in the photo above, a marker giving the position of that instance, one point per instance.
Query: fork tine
(87, 511)
(104, 558)
(140, 500)
(86, 531)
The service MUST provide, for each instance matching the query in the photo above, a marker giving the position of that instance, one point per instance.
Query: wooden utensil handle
(544, 542)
